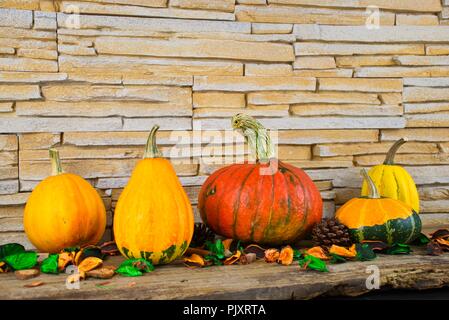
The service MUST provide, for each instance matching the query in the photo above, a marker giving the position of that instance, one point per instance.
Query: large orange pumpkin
(153, 219)
(63, 211)
(267, 202)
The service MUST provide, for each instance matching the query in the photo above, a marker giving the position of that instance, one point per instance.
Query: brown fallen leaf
(105, 283)
(258, 250)
(233, 259)
(34, 284)
(434, 249)
(440, 233)
(132, 284)
(26, 274)
(195, 260)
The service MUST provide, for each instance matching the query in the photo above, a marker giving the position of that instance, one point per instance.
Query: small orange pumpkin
(63, 211)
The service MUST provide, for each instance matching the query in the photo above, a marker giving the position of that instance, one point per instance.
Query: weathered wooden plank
(255, 281)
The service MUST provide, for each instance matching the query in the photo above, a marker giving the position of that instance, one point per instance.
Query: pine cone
(201, 234)
(330, 231)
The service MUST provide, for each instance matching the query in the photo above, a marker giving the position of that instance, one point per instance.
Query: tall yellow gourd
(393, 181)
(63, 211)
(153, 218)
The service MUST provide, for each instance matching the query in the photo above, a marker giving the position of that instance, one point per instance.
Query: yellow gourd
(153, 219)
(393, 181)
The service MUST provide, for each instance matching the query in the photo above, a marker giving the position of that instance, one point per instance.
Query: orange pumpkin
(153, 219)
(63, 211)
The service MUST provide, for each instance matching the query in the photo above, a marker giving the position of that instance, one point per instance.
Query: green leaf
(335, 258)
(421, 240)
(296, 254)
(134, 267)
(128, 271)
(215, 260)
(21, 261)
(398, 248)
(313, 263)
(216, 248)
(10, 249)
(50, 264)
(364, 252)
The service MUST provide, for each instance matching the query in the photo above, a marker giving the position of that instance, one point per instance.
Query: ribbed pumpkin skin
(384, 219)
(64, 211)
(238, 202)
(153, 218)
(393, 181)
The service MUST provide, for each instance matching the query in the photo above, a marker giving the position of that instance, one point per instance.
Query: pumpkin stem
(373, 192)
(257, 136)
(389, 159)
(56, 167)
(151, 149)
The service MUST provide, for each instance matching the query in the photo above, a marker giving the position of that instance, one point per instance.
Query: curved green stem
(257, 136)
(56, 167)
(373, 192)
(151, 149)
(389, 159)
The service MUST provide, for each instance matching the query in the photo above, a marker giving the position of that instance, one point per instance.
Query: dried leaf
(248, 258)
(227, 244)
(64, 259)
(440, 233)
(317, 252)
(3, 267)
(233, 259)
(34, 284)
(90, 264)
(434, 249)
(286, 256)
(132, 284)
(313, 263)
(258, 250)
(109, 248)
(271, 255)
(443, 243)
(343, 252)
(194, 260)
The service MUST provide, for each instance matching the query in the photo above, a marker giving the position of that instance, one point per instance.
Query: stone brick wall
(339, 92)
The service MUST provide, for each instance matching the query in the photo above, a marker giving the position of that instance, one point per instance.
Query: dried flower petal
(233, 259)
(286, 256)
(34, 284)
(65, 258)
(194, 260)
(89, 264)
(271, 255)
(317, 252)
(343, 252)
(442, 242)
